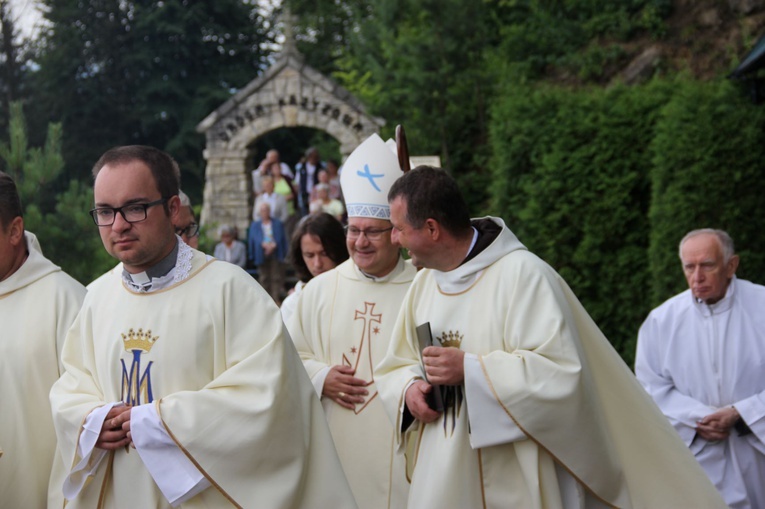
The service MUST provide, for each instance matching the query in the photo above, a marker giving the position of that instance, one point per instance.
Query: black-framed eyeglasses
(370, 233)
(192, 230)
(131, 213)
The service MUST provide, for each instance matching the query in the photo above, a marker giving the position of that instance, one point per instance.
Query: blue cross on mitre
(367, 173)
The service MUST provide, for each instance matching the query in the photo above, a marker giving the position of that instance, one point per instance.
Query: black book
(425, 338)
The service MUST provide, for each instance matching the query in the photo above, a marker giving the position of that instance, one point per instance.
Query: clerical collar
(485, 231)
(144, 281)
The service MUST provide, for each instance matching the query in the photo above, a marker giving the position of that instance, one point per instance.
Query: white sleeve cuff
(318, 380)
(489, 422)
(176, 476)
(90, 457)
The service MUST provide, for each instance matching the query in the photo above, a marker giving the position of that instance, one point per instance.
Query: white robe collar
(178, 273)
(34, 268)
(390, 276)
(721, 306)
(463, 277)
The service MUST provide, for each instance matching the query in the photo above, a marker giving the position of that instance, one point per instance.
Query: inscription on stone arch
(288, 94)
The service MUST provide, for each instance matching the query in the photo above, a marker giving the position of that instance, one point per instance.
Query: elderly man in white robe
(701, 356)
(38, 303)
(342, 326)
(181, 388)
(539, 410)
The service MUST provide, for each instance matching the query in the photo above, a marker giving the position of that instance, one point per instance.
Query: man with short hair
(538, 408)
(230, 249)
(186, 361)
(342, 326)
(276, 202)
(268, 246)
(186, 226)
(38, 303)
(700, 355)
(307, 176)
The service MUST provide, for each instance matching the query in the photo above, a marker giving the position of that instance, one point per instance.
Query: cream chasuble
(38, 304)
(344, 318)
(586, 434)
(210, 352)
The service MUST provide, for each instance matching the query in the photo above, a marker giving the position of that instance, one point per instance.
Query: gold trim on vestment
(463, 291)
(539, 444)
(109, 466)
(191, 458)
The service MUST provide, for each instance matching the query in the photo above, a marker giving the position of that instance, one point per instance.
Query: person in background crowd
(264, 169)
(229, 249)
(307, 176)
(276, 202)
(268, 249)
(317, 246)
(186, 226)
(324, 203)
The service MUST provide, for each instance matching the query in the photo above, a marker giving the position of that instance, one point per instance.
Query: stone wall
(289, 94)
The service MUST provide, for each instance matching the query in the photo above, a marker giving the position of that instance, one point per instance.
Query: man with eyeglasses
(180, 385)
(701, 356)
(186, 226)
(539, 411)
(38, 303)
(342, 325)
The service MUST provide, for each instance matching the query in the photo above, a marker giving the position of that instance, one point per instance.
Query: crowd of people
(423, 358)
(282, 200)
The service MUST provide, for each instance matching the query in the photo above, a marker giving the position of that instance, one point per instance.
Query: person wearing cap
(539, 409)
(38, 303)
(342, 325)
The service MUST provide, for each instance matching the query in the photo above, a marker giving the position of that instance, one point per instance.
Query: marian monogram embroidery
(136, 385)
(451, 394)
(361, 356)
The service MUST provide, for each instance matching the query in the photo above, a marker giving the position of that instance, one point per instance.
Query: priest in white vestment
(701, 356)
(38, 303)
(181, 387)
(539, 410)
(342, 327)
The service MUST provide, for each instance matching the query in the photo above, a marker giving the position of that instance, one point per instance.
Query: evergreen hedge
(707, 173)
(602, 184)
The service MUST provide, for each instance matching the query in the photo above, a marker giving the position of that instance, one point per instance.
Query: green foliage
(571, 172)
(116, 72)
(593, 62)
(31, 168)
(61, 222)
(541, 37)
(707, 173)
(421, 64)
(604, 184)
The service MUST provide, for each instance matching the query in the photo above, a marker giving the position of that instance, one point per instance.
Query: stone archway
(288, 94)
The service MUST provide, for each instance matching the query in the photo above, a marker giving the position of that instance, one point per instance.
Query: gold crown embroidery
(453, 339)
(139, 340)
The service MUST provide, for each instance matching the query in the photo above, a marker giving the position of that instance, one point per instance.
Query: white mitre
(368, 174)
